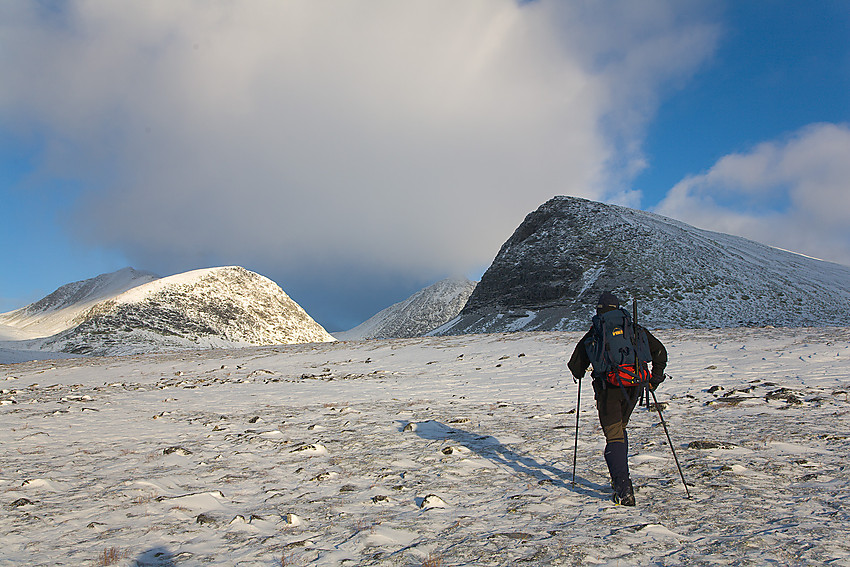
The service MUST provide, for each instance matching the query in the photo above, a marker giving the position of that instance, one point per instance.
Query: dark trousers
(615, 408)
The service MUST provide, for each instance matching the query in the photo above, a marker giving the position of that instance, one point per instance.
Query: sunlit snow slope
(228, 306)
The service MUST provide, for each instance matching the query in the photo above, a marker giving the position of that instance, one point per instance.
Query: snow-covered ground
(434, 451)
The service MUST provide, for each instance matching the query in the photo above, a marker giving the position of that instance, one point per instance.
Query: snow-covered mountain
(420, 313)
(65, 307)
(216, 307)
(550, 272)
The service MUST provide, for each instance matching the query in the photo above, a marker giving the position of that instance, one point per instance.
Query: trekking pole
(575, 449)
(670, 442)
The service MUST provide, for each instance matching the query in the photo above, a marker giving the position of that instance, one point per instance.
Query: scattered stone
(730, 400)
(311, 449)
(409, 427)
(260, 372)
(786, 395)
(432, 501)
(21, 502)
(381, 499)
(205, 519)
(327, 475)
(348, 488)
(293, 520)
(454, 449)
(519, 536)
(296, 544)
(176, 450)
(710, 445)
(715, 389)
(254, 419)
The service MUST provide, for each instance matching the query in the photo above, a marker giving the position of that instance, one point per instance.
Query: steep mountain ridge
(216, 307)
(549, 273)
(420, 313)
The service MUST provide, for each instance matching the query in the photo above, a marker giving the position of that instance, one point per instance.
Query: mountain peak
(214, 307)
(549, 273)
(417, 315)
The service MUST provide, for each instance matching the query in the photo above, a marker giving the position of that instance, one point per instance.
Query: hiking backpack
(611, 348)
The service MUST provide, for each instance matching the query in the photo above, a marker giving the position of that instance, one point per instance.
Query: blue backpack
(612, 346)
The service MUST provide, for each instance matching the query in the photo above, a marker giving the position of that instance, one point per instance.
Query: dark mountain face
(550, 272)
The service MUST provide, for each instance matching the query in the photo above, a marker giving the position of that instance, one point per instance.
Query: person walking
(617, 386)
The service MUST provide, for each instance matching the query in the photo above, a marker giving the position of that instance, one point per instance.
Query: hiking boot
(625, 496)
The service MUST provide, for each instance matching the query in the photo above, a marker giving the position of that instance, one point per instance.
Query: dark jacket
(579, 362)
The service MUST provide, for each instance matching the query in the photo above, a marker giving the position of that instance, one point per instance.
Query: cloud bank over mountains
(409, 136)
(373, 143)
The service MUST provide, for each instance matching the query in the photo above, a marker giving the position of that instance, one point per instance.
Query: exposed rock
(710, 445)
(176, 450)
(786, 395)
(432, 501)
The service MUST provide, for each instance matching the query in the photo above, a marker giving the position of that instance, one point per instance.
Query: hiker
(615, 395)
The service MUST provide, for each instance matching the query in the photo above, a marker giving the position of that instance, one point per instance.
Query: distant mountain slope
(217, 307)
(549, 273)
(63, 308)
(420, 313)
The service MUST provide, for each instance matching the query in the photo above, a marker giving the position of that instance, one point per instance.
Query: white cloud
(793, 193)
(408, 137)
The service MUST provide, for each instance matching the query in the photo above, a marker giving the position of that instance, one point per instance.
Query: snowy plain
(433, 451)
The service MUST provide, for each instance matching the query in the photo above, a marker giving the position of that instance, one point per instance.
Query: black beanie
(607, 302)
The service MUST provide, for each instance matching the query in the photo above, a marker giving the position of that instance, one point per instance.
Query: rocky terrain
(550, 272)
(453, 451)
(420, 313)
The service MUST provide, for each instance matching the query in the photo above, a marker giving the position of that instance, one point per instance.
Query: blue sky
(356, 152)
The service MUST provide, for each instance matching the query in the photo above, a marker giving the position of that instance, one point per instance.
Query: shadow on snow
(488, 447)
